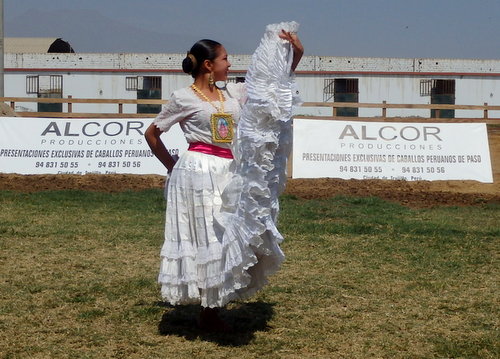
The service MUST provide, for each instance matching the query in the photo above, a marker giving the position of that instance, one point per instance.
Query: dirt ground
(415, 194)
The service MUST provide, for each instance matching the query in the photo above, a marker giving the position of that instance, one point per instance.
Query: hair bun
(189, 63)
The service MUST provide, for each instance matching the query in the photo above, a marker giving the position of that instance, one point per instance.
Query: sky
(468, 29)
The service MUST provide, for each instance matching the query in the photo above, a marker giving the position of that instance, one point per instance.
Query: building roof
(35, 45)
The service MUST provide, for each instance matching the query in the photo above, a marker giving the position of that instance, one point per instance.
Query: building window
(131, 83)
(425, 87)
(149, 83)
(443, 93)
(236, 79)
(46, 86)
(32, 85)
(345, 90)
(147, 87)
(328, 89)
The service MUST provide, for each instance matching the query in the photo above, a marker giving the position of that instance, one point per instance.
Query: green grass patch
(363, 278)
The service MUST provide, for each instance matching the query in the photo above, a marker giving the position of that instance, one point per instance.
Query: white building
(341, 79)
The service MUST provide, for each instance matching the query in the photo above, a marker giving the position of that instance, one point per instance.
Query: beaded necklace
(221, 98)
(221, 124)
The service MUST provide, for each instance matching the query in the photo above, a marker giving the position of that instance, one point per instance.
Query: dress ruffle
(239, 214)
(262, 147)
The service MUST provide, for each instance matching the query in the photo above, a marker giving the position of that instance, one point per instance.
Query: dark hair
(203, 50)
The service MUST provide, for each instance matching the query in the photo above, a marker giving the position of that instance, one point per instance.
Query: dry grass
(363, 279)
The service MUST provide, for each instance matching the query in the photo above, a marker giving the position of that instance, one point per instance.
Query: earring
(211, 81)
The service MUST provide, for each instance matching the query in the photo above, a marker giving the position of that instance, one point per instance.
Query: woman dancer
(198, 266)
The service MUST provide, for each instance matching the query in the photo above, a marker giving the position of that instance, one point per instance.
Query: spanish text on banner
(395, 151)
(81, 146)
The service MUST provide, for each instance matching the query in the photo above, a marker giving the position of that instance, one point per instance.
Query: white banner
(81, 146)
(387, 150)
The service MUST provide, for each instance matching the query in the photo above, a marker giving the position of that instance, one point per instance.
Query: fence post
(70, 105)
(485, 115)
(120, 108)
(12, 105)
(384, 110)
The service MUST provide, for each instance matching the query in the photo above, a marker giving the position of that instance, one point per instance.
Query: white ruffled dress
(221, 240)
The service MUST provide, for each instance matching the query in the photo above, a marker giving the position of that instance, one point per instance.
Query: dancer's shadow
(244, 318)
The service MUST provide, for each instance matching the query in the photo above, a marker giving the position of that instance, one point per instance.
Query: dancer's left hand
(298, 49)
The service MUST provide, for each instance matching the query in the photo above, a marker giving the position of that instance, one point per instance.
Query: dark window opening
(443, 92)
(346, 90)
(148, 87)
(236, 79)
